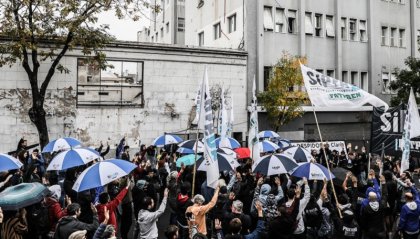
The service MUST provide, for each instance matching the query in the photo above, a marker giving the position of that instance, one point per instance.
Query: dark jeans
(126, 219)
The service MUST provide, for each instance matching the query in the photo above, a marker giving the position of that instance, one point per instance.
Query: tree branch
(53, 66)
(34, 49)
(25, 63)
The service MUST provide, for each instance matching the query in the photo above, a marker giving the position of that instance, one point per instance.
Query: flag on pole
(231, 118)
(253, 128)
(210, 151)
(325, 91)
(198, 99)
(223, 121)
(411, 119)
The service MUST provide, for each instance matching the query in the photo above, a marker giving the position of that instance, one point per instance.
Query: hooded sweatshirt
(147, 221)
(372, 219)
(409, 218)
(67, 225)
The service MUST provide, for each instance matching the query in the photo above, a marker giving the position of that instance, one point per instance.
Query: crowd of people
(372, 201)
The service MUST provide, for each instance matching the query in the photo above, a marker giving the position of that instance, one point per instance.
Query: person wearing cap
(55, 212)
(409, 217)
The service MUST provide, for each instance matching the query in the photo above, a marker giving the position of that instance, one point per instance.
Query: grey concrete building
(150, 91)
(357, 41)
(167, 25)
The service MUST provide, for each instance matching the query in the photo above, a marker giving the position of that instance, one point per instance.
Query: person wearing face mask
(147, 218)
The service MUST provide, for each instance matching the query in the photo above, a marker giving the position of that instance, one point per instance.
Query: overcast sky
(123, 29)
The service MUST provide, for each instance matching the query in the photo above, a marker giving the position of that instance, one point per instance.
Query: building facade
(167, 24)
(149, 91)
(360, 42)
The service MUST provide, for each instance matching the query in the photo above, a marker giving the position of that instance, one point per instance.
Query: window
(418, 3)
(153, 38)
(330, 73)
(401, 1)
(181, 24)
(344, 76)
(156, 38)
(161, 32)
(201, 39)
(344, 28)
(393, 40)
(320, 71)
(362, 30)
(329, 26)
(267, 75)
(167, 27)
(364, 81)
(279, 20)
(402, 38)
(268, 19)
(122, 85)
(232, 23)
(352, 28)
(385, 82)
(309, 28)
(418, 37)
(291, 20)
(217, 31)
(384, 36)
(318, 25)
(353, 78)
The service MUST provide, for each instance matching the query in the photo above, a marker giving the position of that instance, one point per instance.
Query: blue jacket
(410, 213)
(376, 189)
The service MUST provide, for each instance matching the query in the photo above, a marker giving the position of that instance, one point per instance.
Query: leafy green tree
(283, 98)
(405, 79)
(43, 31)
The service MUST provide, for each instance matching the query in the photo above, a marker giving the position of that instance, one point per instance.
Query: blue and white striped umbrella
(274, 164)
(299, 154)
(8, 162)
(229, 143)
(185, 151)
(312, 171)
(268, 134)
(61, 144)
(72, 158)
(229, 152)
(267, 146)
(284, 143)
(192, 144)
(166, 139)
(102, 173)
(226, 163)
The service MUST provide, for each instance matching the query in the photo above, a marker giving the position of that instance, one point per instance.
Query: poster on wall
(387, 129)
(332, 145)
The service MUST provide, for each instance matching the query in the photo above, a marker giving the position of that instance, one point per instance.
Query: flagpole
(195, 161)
(328, 164)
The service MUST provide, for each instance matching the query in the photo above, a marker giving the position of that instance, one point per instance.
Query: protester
(409, 218)
(147, 218)
(16, 226)
(69, 224)
(198, 212)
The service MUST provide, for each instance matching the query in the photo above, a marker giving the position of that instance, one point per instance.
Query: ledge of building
(325, 109)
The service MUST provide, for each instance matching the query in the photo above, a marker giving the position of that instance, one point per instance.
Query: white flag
(411, 119)
(210, 151)
(325, 91)
(231, 118)
(197, 103)
(223, 122)
(253, 128)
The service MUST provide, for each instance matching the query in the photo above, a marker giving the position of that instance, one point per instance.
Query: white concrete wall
(171, 76)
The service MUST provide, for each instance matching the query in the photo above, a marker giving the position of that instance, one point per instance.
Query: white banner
(325, 91)
(411, 130)
(253, 128)
(332, 145)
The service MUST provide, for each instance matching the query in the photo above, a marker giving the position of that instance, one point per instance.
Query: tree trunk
(37, 116)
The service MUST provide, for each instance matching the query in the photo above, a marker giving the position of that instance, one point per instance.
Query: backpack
(312, 215)
(41, 216)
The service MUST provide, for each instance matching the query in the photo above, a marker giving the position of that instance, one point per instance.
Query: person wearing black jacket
(69, 224)
(372, 217)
